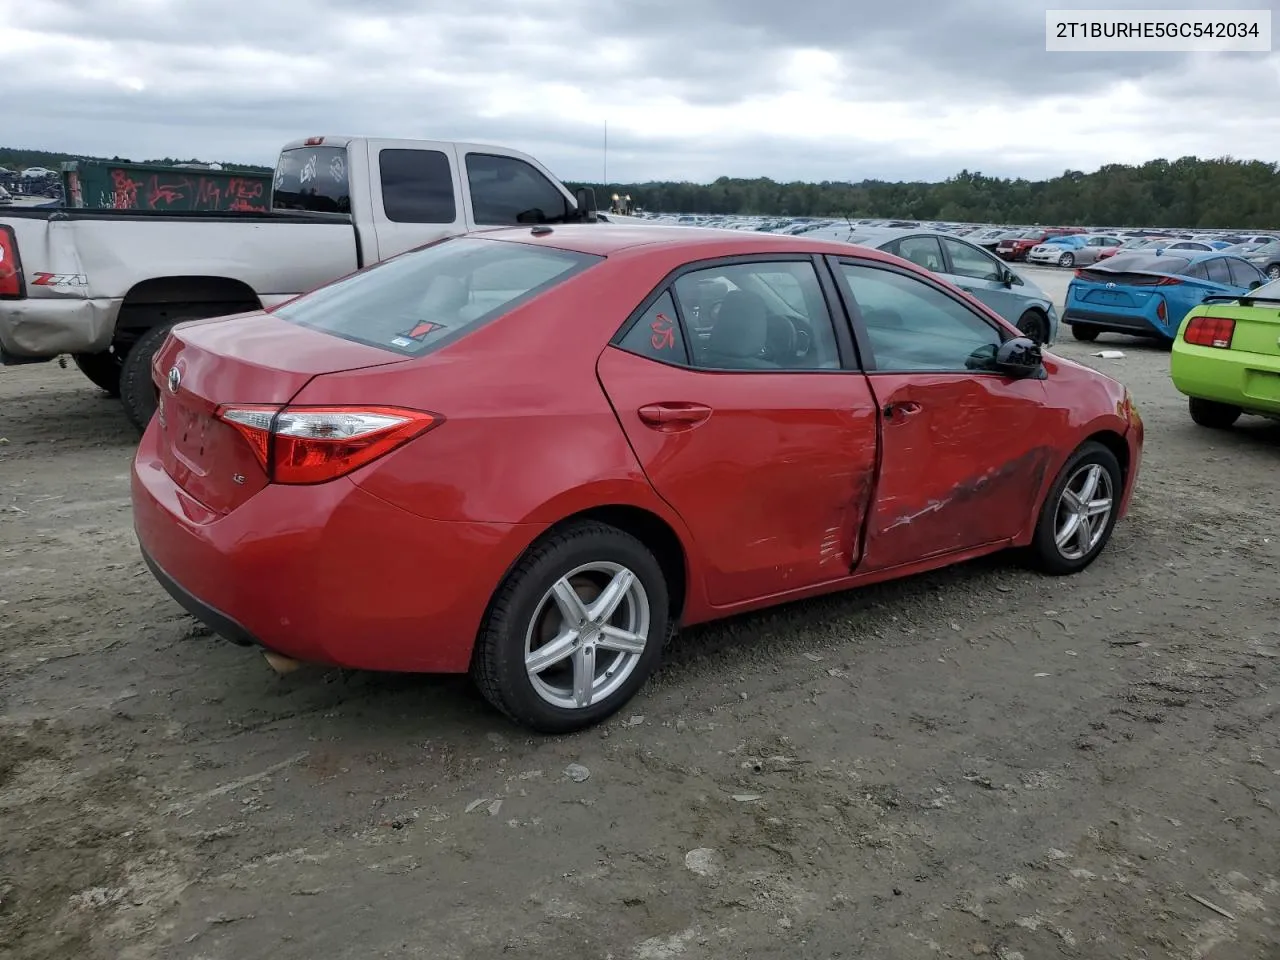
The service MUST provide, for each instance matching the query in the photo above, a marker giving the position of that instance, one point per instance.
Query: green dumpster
(104, 185)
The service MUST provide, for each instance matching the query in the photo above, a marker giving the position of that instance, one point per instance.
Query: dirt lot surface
(980, 762)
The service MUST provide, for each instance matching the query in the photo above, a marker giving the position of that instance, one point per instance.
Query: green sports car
(1226, 357)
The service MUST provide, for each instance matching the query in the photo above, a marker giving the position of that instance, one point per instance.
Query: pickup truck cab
(105, 286)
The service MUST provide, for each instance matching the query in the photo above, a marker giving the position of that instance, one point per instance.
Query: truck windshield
(312, 179)
(427, 298)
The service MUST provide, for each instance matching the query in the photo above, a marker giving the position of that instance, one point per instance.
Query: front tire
(1273, 271)
(574, 630)
(1067, 260)
(102, 369)
(1086, 334)
(1035, 325)
(1211, 414)
(1080, 512)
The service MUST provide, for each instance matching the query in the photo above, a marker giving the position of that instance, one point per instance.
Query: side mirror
(585, 200)
(1019, 357)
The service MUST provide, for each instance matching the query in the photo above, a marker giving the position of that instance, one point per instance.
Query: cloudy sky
(690, 89)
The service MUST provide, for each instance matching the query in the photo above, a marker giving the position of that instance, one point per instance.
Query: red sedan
(530, 453)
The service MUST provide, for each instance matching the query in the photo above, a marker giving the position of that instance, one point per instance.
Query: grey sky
(691, 89)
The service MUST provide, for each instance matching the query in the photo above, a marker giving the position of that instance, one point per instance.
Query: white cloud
(691, 89)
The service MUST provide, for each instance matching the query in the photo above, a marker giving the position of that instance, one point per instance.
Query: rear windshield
(312, 179)
(1143, 262)
(426, 298)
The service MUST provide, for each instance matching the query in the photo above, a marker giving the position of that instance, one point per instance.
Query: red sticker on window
(423, 329)
(664, 333)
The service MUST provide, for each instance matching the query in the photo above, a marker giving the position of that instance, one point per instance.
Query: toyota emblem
(1110, 286)
(175, 379)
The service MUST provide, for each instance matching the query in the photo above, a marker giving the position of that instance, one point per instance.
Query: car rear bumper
(326, 573)
(1250, 381)
(1134, 323)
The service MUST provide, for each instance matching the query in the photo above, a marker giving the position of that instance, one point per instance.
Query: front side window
(967, 261)
(914, 326)
(421, 300)
(1243, 273)
(312, 179)
(506, 191)
(417, 186)
(758, 316)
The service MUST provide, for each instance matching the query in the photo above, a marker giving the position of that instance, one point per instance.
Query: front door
(963, 450)
(982, 275)
(751, 422)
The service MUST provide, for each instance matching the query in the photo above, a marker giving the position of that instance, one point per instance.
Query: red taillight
(1079, 274)
(1210, 332)
(1168, 282)
(1162, 312)
(317, 444)
(314, 141)
(11, 282)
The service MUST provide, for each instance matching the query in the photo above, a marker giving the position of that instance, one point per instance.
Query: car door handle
(673, 416)
(901, 410)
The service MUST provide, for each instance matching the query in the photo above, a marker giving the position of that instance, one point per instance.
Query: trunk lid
(251, 359)
(1257, 328)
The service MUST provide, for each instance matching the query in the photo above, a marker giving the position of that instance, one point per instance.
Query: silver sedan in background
(969, 267)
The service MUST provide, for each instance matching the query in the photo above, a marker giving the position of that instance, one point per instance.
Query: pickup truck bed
(239, 257)
(107, 285)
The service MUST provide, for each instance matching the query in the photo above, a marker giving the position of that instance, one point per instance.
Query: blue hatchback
(1146, 294)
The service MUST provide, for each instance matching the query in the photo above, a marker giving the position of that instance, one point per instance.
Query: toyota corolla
(529, 454)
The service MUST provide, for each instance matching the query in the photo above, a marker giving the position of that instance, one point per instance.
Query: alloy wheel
(1084, 510)
(587, 635)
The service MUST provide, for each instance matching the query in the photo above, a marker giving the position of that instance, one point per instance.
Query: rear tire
(138, 393)
(102, 369)
(527, 616)
(1035, 325)
(1059, 547)
(1086, 334)
(1211, 414)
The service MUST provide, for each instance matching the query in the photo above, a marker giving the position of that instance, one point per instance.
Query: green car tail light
(1210, 332)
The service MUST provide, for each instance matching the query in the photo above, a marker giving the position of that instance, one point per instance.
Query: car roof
(606, 239)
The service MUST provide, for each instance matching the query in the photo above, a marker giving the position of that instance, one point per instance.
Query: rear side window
(1218, 272)
(312, 179)
(422, 300)
(506, 191)
(417, 186)
(657, 334)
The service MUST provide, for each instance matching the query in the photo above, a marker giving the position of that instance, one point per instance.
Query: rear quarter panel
(529, 435)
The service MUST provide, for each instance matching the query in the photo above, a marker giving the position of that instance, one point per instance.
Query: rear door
(416, 194)
(963, 450)
(762, 436)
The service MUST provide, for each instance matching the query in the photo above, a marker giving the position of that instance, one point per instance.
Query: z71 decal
(60, 280)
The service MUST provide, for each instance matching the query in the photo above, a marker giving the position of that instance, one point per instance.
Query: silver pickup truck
(105, 286)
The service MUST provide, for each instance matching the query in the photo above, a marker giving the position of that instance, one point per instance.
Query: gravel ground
(978, 762)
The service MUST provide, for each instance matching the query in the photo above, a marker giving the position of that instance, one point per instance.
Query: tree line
(19, 159)
(1188, 192)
